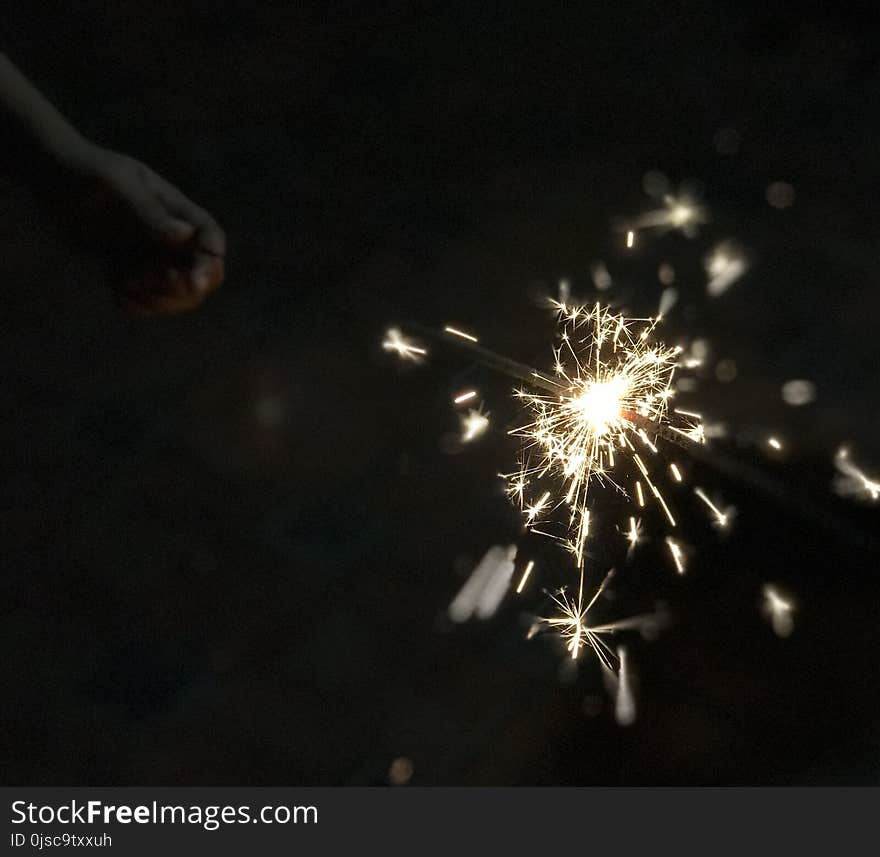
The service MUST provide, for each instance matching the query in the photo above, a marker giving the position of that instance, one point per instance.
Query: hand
(166, 253)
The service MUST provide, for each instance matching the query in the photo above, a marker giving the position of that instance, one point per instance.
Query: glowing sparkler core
(600, 404)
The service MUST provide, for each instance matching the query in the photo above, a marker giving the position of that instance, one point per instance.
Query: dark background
(229, 539)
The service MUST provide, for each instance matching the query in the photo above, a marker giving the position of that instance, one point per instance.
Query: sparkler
(597, 425)
(593, 423)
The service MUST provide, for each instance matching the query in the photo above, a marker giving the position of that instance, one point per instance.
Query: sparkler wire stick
(489, 358)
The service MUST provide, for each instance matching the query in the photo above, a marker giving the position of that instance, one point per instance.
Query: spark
(721, 518)
(630, 238)
(464, 397)
(724, 265)
(696, 433)
(525, 576)
(533, 511)
(460, 333)
(633, 535)
(778, 609)
(677, 554)
(473, 425)
(394, 341)
(571, 624)
(852, 481)
(678, 212)
(668, 299)
(774, 443)
(624, 698)
(676, 473)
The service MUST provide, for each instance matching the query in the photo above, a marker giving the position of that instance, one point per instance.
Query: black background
(229, 539)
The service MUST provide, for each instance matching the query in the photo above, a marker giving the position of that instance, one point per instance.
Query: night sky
(229, 539)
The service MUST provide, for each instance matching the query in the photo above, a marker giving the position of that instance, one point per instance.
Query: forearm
(36, 138)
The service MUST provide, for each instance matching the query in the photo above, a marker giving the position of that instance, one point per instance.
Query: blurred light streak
(681, 213)
(668, 299)
(394, 341)
(852, 481)
(778, 609)
(724, 265)
(525, 576)
(677, 553)
(624, 698)
(455, 332)
(721, 518)
(486, 586)
(473, 425)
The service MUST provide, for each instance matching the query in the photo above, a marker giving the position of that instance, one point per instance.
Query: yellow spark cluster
(596, 422)
(614, 384)
(572, 624)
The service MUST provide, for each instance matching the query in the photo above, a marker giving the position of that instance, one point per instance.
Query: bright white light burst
(611, 389)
